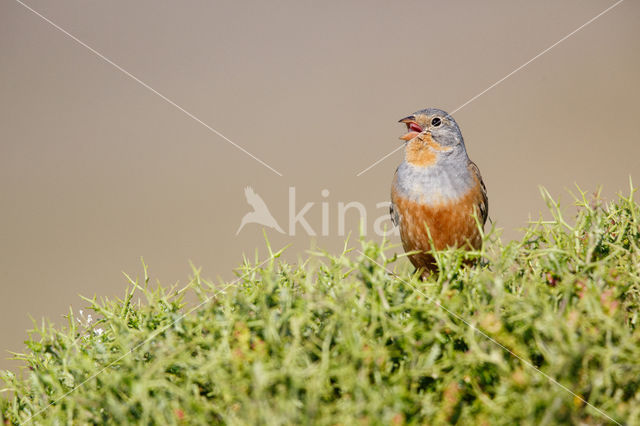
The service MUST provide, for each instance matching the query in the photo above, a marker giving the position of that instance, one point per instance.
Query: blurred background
(97, 171)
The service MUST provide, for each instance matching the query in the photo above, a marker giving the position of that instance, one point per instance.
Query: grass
(543, 330)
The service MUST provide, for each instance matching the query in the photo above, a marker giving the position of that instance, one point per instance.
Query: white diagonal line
(380, 160)
(145, 85)
(536, 57)
(491, 339)
(145, 341)
(512, 73)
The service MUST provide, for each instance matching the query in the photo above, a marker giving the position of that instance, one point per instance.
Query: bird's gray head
(441, 126)
(433, 138)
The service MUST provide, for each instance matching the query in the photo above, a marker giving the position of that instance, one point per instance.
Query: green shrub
(542, 330)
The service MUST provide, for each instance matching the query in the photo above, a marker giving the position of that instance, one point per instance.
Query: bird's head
(431, 134)
(441, 126)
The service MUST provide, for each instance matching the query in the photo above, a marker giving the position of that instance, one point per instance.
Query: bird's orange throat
(422, 151)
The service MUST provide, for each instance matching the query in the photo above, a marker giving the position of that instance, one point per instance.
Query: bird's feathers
(254, 199)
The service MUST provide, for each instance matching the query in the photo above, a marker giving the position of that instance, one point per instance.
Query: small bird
(437, 191)
(260, 214)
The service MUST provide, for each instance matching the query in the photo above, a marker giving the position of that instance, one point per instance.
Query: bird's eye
(436, 122)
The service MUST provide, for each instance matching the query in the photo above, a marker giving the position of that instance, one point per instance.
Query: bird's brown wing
(394, 215)
(483, 204)
(395, 219)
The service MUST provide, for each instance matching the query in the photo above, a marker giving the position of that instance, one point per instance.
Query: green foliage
(540, 331)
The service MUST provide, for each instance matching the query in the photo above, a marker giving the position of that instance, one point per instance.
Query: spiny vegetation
(541, 331)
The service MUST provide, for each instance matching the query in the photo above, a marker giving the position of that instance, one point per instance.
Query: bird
(437, 191)
(260, 214)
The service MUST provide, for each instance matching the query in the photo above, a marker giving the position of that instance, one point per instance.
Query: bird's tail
(242, 223)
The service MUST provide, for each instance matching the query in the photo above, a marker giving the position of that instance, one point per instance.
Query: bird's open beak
(413, 128)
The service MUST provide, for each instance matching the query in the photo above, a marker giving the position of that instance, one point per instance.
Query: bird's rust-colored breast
(422, 151)
(450, 223)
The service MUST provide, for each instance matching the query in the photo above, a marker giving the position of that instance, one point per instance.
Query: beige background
(96, 171)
